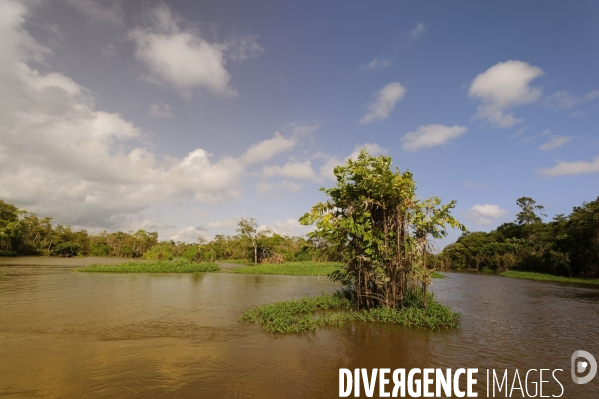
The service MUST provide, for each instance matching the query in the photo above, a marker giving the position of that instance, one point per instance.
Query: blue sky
(181, 117)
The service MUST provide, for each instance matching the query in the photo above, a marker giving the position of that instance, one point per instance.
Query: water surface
(79, 335)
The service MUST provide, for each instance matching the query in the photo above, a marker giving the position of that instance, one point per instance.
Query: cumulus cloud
(296, 170)
(418, 31)
(572, 168)
(503, 86)
(555, 142)
(61, 156)
(377, 63)
(160, 110)
(189, 234)
(385, 101)
(430, 136)
(267, 149)
(182, 59)
(485, 214)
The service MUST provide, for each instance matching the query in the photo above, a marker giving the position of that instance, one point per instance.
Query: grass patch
(291, 268)
(176, 266)
(549, 277)
(334, 310)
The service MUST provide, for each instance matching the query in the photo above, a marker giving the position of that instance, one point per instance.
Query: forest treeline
(566, 246)
(24, 233)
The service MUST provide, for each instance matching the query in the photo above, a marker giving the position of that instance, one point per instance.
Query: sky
(183, 116)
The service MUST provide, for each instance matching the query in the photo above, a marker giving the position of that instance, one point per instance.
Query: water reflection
(65, 334)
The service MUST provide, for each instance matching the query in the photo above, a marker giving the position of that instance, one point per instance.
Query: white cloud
(189, 234)
(555, 142)
(267, 149)
(384, 103)
(182, 59)
(502, 87)
(243, 48)
(290, 227)
(377, 63)
(572, 168)
(485, 214)
(418, 31)
(563, 100)
(326, 170)
(296, 170)
(160, 110)
(430, 136)
(61, 156)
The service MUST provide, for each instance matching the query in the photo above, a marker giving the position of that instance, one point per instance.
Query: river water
(80, 335)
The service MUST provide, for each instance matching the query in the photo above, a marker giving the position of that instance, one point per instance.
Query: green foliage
(23, 233)
(567, 246)
(176, 266)
(336, 309)
(377, 227)
(162, 251)
(530, 213)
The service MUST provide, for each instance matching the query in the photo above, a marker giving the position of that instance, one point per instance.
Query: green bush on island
(176, 266)
(338, 308)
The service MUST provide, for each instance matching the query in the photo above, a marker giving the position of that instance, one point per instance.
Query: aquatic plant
(308, 313)
(175, 266)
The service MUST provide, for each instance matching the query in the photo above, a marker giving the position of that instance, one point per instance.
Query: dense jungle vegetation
(566, 246)
(24, 233)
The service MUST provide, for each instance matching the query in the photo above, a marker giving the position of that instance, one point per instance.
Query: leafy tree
(530, 213)
(375, 223)
(248, 230)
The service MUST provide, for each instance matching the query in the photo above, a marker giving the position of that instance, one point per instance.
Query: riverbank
(178, 266)
(548, 277)
(302, 314)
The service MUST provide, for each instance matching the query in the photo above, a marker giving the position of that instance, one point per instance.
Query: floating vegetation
(308, 313)
(174, 266)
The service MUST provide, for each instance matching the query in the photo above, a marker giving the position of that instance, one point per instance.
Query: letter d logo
(581, 367)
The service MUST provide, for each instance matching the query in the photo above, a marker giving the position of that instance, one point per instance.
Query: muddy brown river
(80, 335)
